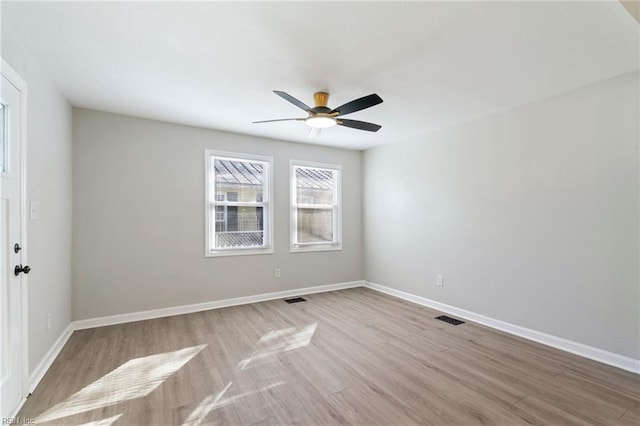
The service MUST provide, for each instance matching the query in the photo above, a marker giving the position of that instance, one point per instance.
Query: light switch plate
(34, 210)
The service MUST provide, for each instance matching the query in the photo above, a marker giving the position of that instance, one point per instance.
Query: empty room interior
(313, 213)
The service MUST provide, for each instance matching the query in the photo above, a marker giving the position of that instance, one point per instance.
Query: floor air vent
(449, 320)
(295, 300)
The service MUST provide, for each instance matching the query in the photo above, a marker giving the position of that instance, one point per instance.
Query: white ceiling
(215, 64)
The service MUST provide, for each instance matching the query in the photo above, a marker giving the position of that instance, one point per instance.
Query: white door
(11, 327)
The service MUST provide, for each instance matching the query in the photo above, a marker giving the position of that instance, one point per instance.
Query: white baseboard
(198, 307)
(596, 354)
(43, 366)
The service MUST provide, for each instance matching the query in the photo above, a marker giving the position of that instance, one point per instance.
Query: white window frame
(211, 202)
(336, 244)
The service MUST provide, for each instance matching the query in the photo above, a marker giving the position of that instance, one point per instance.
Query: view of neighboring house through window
(315, 207)
(238, 211)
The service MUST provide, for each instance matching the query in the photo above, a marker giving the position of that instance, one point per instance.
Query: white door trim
(15, 79)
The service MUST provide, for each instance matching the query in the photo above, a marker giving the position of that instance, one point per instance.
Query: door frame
(14, 78)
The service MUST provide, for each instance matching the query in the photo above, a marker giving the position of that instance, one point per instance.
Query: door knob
(26, 269)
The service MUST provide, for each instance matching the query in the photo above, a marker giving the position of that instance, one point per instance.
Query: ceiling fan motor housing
(320, 110)
(321, 99)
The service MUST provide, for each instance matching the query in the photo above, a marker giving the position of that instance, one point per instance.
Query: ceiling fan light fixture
(322, 117)
(320, 121)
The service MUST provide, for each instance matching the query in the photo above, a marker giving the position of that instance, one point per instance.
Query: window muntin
(239, 214)
(315, 207)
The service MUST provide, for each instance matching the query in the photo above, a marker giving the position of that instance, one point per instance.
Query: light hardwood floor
(345, 357)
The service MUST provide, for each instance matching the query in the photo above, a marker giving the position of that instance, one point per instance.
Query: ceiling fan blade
(360, 125)
(279, 119)
(293, 100)
(358, 104)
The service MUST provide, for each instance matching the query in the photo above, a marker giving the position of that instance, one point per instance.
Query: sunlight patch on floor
(103, 422)
(200, 412)
(278, 341)
(212, 402)
(134, 379)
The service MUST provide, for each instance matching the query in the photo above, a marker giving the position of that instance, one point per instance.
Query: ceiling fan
(322, 117)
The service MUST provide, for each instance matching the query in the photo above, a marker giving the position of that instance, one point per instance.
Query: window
(238, 208)
(315, 207)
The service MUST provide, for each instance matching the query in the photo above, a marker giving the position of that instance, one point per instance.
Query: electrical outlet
(48, 321)
(276, 273)
(440, 281)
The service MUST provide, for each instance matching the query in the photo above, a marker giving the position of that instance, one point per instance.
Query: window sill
(239, 252)
(315, 247)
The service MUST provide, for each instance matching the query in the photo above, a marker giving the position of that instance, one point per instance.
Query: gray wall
(49, 183)
(138, 235)
(531, 215)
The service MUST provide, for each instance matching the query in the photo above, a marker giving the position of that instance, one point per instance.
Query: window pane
(3, 142)
(315, 225)
(314, 186)
(221, 219)
(243, 227)
(239, 181)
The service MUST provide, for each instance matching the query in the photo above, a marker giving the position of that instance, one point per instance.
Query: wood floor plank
(296, 401)
(250, 403)
(631, 416)
(538, 412)
(362, 405)
(345, 357)
(476, 408)
(204, 413)
(326, 376)
(468, 370)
